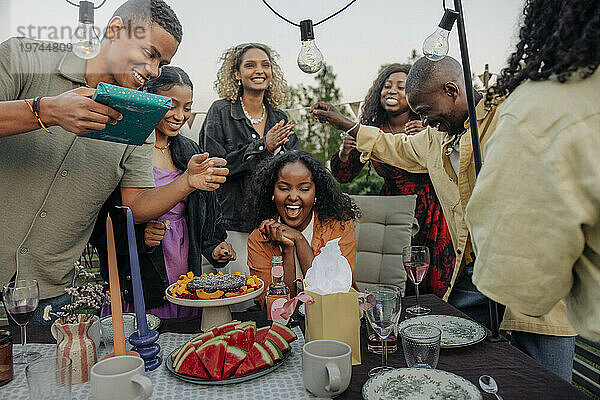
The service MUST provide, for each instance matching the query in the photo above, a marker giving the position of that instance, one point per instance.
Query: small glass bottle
(277, 292)
(6, 357)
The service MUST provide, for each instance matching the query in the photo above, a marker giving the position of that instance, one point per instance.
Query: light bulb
(310, 58)
(85, 41)
(435, 47)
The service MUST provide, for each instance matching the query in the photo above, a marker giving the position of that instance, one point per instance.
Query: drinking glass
(421, 345)
(21, 298)
(49, 378)
(374, 343)
(416, 263)
(382, 308)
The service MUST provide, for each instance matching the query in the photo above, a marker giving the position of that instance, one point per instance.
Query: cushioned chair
(385, 228)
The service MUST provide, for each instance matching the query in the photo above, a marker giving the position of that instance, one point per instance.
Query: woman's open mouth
(174, 125)
(293, 211)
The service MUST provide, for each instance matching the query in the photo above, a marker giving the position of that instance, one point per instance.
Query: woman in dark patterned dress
(385, 106)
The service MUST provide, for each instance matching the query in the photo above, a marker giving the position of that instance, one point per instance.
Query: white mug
(120, 377)
(326, 367)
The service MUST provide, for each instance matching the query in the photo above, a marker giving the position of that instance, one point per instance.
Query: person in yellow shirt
(436, 91)
(535, 211)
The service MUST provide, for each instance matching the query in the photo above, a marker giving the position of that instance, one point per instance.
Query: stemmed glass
(21, 298)
(382, 307)
(416, 263)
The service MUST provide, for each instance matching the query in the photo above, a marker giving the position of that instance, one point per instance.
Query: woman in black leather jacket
(245, 127)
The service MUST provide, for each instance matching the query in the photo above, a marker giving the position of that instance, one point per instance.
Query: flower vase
(76, 344)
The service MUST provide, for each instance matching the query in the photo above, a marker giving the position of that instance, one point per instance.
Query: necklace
(255, 121)
(391, 130)
(455, 144)
(163, 148)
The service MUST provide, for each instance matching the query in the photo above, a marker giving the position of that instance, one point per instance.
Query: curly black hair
(330, 204)
(372, 112)
(135, 13)
(169, 77)
(556, 39)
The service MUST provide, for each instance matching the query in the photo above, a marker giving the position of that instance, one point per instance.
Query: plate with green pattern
(456, 331)
(419, 383)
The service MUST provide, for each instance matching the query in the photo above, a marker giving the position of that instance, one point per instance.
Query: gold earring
(273, 198)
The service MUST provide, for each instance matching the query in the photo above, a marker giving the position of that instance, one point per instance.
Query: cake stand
(215, 312)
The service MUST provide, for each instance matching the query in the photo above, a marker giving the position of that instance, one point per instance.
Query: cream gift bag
(334, 314)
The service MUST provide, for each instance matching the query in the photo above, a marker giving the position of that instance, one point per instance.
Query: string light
(85, 40)
(435, 46)
(310, 58)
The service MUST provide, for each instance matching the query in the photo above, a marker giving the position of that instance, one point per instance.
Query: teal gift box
(141, 113)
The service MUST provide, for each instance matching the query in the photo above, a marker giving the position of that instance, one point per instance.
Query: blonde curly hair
(226, 85)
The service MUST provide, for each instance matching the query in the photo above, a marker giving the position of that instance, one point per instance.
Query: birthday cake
(214, 286)
(211, 283)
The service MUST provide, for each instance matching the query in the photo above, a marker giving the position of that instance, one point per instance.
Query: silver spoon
(488, 385)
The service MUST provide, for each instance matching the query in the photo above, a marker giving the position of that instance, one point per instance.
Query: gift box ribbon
(365, 302)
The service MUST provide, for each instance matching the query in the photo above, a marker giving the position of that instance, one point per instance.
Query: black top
(205, 231)
(227, 133)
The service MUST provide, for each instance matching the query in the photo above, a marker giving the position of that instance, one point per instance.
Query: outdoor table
(517, 375)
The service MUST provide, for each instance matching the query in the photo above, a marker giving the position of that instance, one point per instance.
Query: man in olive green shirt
(436, 91)
(55, 183)
(535, 211)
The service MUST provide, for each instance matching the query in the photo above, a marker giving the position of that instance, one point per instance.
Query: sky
(356, 42)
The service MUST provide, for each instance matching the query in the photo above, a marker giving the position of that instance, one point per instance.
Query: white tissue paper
(330, 271)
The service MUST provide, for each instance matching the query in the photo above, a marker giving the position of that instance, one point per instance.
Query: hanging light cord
(315, 24)
(444, 5)
(77, 5)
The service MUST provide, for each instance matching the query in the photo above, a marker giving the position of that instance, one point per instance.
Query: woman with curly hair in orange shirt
(296, 208)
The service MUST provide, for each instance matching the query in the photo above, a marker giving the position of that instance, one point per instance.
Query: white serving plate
(215, 302)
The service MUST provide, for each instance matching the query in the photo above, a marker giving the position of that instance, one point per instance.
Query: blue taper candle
(136, 277)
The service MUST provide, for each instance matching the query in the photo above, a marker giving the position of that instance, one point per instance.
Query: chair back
(384, 229)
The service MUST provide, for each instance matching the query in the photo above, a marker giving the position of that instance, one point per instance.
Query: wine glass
(416, 263)
(21, 298)
(382, 308)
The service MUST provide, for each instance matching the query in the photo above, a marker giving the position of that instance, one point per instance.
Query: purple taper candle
(136, 277)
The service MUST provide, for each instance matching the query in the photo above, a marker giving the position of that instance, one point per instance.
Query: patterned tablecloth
(283, 383)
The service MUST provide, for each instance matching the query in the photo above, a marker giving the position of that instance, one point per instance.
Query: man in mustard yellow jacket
(436, 91)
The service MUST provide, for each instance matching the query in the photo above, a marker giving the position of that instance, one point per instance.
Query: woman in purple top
(176, 242)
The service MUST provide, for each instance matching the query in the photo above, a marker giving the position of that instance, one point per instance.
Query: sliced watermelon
(219, 337)
(257, 358)
(203, 337)
(212, 355)
(243, 325)
(177, 362)
(260, 334)
(236, 337)
(278, 340)
(190, 364)
(233, 358)
(227, 327)
(214, 330)
(274, 351)
(248, 337)
(181, 351)
(284, 331)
